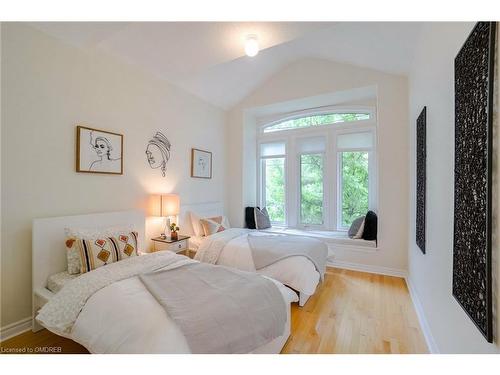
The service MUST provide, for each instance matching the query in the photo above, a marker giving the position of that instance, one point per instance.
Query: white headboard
(201, 209)
(49, 250)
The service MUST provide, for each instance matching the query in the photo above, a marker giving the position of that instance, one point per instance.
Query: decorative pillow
(359, 233)
(95, 253)
(353, 229)
(262, 220)
(73, 258)
(250, 217)
(370, 229)
(73, 254)
(195, 222)
(213, 225)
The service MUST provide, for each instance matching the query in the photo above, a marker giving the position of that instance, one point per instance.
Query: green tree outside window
(311, 189)
(354, 186)
(275, 188)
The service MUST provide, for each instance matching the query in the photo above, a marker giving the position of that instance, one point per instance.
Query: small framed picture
(98, 151)
(201, 163)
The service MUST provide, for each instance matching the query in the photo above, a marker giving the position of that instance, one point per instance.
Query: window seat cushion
(331, 237)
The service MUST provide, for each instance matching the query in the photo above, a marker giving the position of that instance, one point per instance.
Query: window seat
(331, 237)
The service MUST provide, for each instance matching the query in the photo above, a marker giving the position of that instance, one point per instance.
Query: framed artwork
(474, 67)
(98, 151)
(421, 180)
(201, 163)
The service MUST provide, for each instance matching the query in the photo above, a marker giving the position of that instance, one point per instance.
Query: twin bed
(232, 248)
(120, 308)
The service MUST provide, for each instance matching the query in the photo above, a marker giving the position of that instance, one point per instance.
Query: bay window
(318, 171)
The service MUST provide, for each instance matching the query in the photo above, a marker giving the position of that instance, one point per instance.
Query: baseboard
(367, 268)
(424, 325)
(15, 329)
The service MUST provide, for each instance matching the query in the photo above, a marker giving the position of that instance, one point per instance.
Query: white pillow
(195, 222)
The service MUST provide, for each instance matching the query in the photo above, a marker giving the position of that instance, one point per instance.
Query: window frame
(269, 121)
(331, 170)
(372, 172)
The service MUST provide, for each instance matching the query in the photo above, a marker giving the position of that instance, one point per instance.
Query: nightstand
(188, 252)
(178, 245)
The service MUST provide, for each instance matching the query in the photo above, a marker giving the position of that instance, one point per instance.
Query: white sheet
(144, 325)
(297, 272)
(56, 282)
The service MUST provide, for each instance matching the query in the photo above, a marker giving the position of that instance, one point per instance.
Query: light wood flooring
(356, 312)
(351, 312)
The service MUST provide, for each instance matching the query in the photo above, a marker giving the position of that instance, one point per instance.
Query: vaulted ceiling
(207, 59)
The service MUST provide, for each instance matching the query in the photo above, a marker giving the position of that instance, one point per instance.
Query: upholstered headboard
(201, 209)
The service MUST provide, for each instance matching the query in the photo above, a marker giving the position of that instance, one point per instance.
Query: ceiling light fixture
(251, 45)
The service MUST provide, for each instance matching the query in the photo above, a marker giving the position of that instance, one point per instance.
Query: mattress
(56, 282)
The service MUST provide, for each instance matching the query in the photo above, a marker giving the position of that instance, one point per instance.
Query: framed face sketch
(201, 163)
(98, 151)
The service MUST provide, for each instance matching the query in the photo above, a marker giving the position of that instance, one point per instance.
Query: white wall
(431, 84)
(311, 78)
(48, 87)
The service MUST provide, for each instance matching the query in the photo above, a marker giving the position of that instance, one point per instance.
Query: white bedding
(144, 325)
(56, 282)
(123, 317)
(297, 272)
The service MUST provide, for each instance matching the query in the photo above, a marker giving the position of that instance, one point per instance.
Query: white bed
(144, 326)
(297, 272)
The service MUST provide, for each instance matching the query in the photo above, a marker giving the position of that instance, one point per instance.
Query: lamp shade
(165, 205)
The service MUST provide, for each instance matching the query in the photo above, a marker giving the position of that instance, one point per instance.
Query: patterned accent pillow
(98, 252)
(73, 254)
(73, 257)
(213, 225)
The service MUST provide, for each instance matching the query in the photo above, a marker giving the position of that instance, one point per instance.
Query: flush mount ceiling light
(251, 45)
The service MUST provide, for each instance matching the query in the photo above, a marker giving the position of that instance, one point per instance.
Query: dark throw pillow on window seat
(370, 229)
(250, 217)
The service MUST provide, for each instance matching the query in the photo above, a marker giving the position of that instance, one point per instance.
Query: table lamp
(167, 206)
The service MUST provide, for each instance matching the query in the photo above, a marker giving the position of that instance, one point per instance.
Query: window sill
(328, 236)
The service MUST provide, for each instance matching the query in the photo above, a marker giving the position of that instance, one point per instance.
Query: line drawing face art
(103, 159)
(202, 163)
(158, 152)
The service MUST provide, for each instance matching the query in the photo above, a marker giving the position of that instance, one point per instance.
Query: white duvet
(122, 317)
(297, 272)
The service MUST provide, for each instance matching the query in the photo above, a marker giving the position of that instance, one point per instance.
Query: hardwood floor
(356, 312)
(351, 312)
(40, 343)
